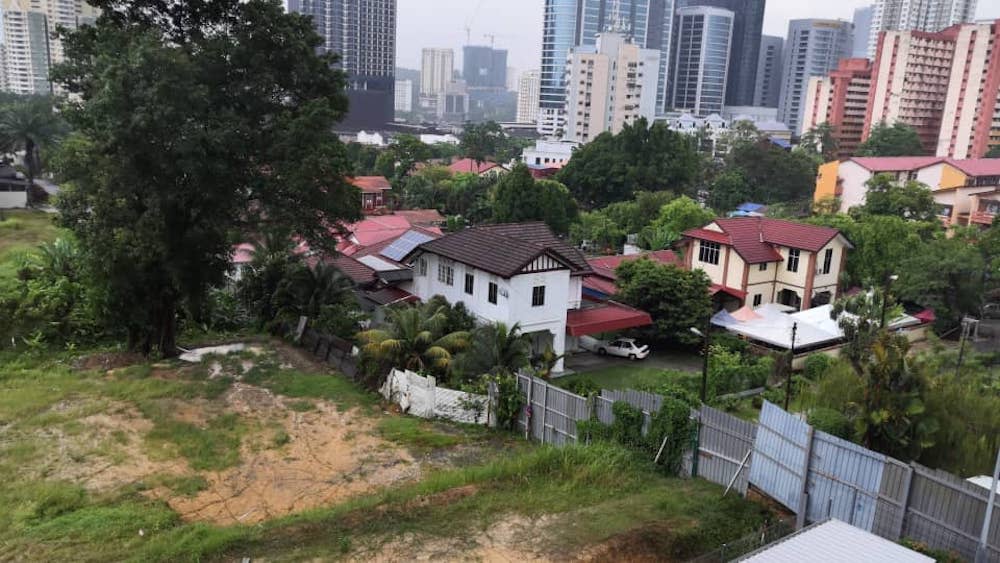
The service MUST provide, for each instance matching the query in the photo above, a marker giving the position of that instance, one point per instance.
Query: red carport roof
(716, 288)
(606, 317)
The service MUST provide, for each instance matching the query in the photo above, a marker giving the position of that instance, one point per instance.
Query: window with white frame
(827, 260)
(708, 252)
(793, 259)
(446, 272)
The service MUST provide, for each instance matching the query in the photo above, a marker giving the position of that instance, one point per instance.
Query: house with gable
(758, 260)
(374, 196)
(518, 273)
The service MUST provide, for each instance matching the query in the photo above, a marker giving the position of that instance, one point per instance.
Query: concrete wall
(9, 200)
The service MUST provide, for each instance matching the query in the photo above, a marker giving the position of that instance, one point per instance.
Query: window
(757, 299)
(708, 252)
(422, 267)
(469, 281)
(492, 293)
(827, 260)
(538, 296)
(446, 273)
(793, 259)
(762, 267)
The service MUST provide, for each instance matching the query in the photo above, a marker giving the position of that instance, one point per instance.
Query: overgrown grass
(267, 373)
(623, 377)
(21, 231)
(416, 433)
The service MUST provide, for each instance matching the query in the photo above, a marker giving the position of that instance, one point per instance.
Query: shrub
(816, 365)
(830, 421)
(583, 387)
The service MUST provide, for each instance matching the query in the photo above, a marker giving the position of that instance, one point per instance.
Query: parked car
(622, 347)
(991, 311)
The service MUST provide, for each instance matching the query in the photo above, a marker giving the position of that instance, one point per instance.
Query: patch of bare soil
(329, 456)
(513, 539)
(104, 361)
(648, 543)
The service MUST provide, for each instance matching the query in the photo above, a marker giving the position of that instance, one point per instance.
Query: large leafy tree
(680, 215)
(518, 197)
(945, 274)
(613, 167)
(771, 173)
(29, 124)
(821, 142)
(897, 139)
(677, 299)
(194, 120)
(482, 141)
(910, 200)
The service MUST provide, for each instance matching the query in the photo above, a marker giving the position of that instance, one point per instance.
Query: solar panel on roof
(404, 244)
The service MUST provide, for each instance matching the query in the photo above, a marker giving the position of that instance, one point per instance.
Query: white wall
(852, 181)
(13, 199)
(714, 271)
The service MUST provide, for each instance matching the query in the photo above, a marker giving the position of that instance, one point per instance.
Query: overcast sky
(517, 24)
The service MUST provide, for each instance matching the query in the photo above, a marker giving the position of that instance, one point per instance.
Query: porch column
(559, 347)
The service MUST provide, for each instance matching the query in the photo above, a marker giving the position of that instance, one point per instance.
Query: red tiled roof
(470, 165)
(977, 166)
(370, 184)
(896, 163)
(716, 288)
(377, 248)
(600, 285)
(602, 280)
(606, 317)
(358, 273)
(754, 238)
(421, 216)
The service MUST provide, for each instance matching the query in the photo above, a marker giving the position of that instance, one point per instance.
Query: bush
(816, 365)
(583, 387)
(830, 421)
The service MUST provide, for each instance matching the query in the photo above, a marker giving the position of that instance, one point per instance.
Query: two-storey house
(757, 260)
(374, 198)
(517, 273)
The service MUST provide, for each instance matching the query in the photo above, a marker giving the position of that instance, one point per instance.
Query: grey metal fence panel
(553, 411)
(947, 513)
(779, 455)
(649, 402)
(602, 410)
(893, 492)
(844, 481)
(723, 442)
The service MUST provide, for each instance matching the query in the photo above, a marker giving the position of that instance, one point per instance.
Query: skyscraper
(813, 48)
(30, 49)
(703, 38)
(917, 15)
(946, 85)
(436, 69)
(609, 86)
(484, 67)
(404, 96)
(527, 97)
(862, 30)
(743, 57)
(571, 23)
(768, 87)
(363, 33)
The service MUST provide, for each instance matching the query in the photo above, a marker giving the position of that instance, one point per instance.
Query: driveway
(583, 362)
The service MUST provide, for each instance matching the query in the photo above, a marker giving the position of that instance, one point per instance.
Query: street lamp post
(791, 364)
(704, 359)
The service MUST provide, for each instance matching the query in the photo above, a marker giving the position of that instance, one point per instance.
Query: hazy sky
(517, 24)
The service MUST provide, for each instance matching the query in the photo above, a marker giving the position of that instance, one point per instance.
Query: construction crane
(468, 22)
(493, 39)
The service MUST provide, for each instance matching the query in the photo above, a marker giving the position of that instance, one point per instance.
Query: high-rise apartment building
(484, 67)
(862, 31)
(813, 48)
(609, 85)
(363, 33)
(945, 84)
(840, 100)
(572, 23)
(703, 36)
(917, 15)
(30, 48)
(745, 49)
(436, 69)
(527, 96)
(768, 87)
(404, 96)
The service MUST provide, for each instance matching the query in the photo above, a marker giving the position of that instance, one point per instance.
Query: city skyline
(517, 25)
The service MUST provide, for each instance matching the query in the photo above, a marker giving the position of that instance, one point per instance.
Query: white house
(517, 273)
(551, 153)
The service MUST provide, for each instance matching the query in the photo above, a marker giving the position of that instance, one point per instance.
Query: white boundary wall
(420, 396)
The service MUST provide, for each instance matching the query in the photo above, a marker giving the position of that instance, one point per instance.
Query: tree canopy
(677, 299)
(518, 197)
(613, 168)
(769, 174)
(898, 139)
(194, 121)
(910, 200)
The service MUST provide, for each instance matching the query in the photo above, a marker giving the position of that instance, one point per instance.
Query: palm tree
(305, 291)
(28, 125)
(412, 339)
(497, 349)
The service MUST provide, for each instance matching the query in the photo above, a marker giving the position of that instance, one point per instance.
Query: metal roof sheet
(834, 541)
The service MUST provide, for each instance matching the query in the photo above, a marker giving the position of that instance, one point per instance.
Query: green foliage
(831, 421)
(583, 387)
(945, 274)
(414, 339)
(769, 172)
(821, 142)
(483, 141)
(509, 400)
(597, 228)
(215, 446)
(494, 348)
(30, 124)
(612, 168)
(322, 294)
(898, 139)
(183, 137)
(680, 215)
(518, 198)
(361, 158)
(730, 189)
(415, 433)
(816, 365)
(677, 299)
(911, 200)
(731, 372)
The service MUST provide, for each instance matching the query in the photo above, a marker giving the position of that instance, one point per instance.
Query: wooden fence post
(800, 514)
(907, 487)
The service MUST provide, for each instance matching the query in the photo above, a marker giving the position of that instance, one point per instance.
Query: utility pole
(791, 362)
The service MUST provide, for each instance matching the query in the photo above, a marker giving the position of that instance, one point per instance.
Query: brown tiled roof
(356, 271)
(370, 184)
(505, 249)
(421, 216)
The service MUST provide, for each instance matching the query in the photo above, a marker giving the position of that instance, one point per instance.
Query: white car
(622, 347)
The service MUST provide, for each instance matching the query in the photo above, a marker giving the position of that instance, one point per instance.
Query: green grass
(293, 383)
(214, 446)
(185, 485)
(416, 433)
(623, 377)
(22, 231)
